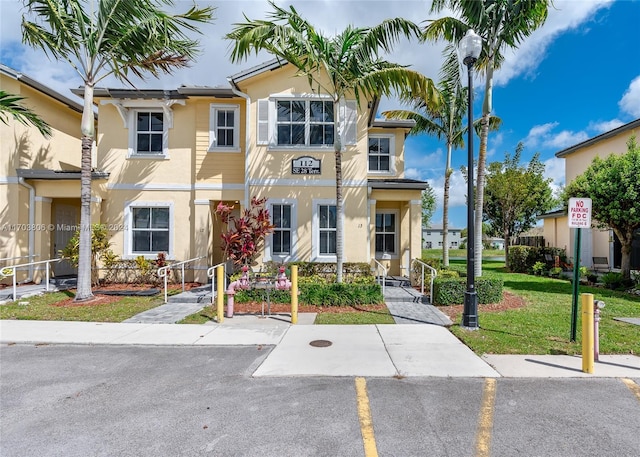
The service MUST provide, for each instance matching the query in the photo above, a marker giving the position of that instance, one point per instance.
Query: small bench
(601, 264)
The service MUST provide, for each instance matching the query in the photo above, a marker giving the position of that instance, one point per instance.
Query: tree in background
(428, 198)
(613, 185)
(515, 196)
(11, 105)
(502, 24)
(108, 38)
(347, 64)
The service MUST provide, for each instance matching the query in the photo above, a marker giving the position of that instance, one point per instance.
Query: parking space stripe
(485, 421)
(633, 387)
(366, 423)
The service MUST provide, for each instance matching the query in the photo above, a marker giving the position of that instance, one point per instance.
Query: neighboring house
(432, 237)
(166, 158)
(39, 177)
(594, 242)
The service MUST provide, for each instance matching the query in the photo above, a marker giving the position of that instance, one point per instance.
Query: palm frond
(11, 105)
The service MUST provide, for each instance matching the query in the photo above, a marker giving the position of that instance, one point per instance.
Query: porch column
(371, 238)
(415, 235)
(44, 231)
(202, 233)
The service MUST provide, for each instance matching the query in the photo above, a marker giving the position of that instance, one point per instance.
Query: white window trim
(396, 247)
(133, 131)
(293, 256)
(128, 228)
(315, 231)
(213, 109)
(127, 110)
(392, 155)
(273, 121)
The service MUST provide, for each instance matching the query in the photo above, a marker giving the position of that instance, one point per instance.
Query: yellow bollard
(220, 296)
(587, 333)
(294, 294)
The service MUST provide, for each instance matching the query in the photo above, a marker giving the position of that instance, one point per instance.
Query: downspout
(247, 144)
(32, 221)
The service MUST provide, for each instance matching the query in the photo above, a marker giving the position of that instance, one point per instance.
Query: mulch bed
(509, 301)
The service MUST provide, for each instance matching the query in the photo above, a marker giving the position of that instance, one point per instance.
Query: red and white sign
(579, 212)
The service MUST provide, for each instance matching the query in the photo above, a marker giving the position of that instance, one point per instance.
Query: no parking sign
(579, 212)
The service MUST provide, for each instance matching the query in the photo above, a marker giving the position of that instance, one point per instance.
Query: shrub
(538, 268)
(614, 280)
(555, 272)
(448, 274)
(523, 258)
(319, 294)
(450, 291)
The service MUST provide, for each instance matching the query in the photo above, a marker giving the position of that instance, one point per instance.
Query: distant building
(432, 237)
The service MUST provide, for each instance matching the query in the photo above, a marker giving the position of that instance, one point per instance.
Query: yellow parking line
(366, 423)
(485, 422)
(633, 387)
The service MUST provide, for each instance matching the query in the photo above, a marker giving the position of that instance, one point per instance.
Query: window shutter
(349, 121)
(263, 122)
(212, 126)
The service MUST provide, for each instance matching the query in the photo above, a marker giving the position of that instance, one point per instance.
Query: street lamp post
(470, 47)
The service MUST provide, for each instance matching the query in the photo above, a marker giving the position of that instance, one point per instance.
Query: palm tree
(345, 64)
(445, 123)
(10, 104)
(502, 24)
(104, 38)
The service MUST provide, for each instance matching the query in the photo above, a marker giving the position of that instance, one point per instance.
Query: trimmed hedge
(450, 291)
(320, 295)
(523, 258)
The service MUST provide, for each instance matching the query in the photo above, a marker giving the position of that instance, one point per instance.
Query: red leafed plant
(245, 234)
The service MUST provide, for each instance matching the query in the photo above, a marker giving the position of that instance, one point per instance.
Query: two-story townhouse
(173, 155)
(432, 237)
(594, 242)
(40, 177)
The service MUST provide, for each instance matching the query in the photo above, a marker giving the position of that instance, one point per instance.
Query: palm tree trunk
(339, 217)
(445, 210)
(482, 159)
(84, 255)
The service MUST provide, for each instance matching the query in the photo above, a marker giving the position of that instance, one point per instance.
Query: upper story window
(381, 154)
(149, 132)
(224, 128)
(305, 123)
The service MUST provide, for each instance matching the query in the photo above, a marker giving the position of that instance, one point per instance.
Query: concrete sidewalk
(356, 350)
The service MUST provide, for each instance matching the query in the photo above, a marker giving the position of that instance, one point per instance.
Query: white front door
(65, 221)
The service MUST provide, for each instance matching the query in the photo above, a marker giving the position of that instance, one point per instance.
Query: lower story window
(327, 226)
(150, 230)
(386, 233)
(281, 215)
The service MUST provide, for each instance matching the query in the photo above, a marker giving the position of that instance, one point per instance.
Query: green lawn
(44, 308)
(544, 325)
(428, 253)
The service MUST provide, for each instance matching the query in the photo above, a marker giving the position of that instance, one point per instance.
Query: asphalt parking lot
(60, 400)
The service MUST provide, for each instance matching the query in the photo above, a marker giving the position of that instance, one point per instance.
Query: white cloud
(605, 126)
(563, 15)
(554, 169)
(412, 173)
(630, 102)
(543, 136)
(457, 190)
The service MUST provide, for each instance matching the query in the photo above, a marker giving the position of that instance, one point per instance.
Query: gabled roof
(269, 65)
(596, 139)
(10, 72)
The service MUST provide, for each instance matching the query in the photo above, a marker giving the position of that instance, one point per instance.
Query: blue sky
(576, 77)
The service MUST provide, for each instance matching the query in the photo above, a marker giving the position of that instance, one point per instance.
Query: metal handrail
(6, 272)
(384, 277)
(211, 273)
(434, 273)
(162, 272)
(20, 257)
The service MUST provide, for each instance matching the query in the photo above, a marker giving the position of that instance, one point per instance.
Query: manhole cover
(320, 343)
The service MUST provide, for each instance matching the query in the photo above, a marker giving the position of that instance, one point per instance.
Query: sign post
(579, 217)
